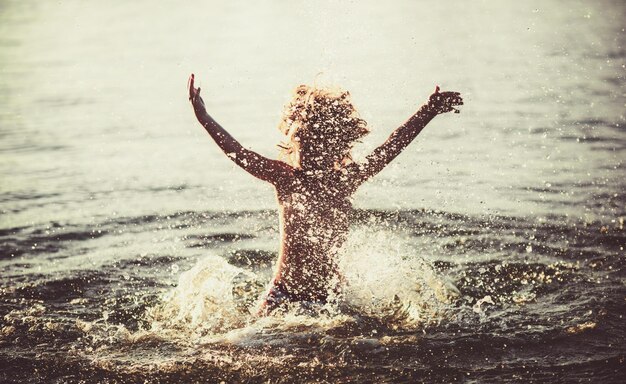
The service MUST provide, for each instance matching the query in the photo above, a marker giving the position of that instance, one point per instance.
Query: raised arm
(438, 103)
(259, 166)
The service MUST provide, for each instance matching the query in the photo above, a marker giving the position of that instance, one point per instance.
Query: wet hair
(323, 120)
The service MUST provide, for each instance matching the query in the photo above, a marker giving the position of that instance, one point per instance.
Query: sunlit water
(492, 250)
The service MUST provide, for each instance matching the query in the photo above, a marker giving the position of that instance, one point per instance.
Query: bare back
(314, 220)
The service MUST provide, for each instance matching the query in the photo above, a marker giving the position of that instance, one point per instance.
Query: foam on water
(202, 302)
(385, 273)
(386, 282)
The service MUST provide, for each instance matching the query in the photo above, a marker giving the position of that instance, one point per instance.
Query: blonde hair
(320, 114)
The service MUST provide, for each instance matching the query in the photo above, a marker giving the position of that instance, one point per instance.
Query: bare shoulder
(275, 172)
(284, 176)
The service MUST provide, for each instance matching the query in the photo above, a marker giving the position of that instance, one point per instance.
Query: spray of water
(386, 280)
(389, 279)
(205, 301)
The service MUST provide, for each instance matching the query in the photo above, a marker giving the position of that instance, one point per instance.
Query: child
(315, 180)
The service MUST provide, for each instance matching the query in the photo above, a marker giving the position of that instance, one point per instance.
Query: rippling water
(492, 250)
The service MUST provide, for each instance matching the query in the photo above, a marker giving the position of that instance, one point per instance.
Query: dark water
(533, 300)
(491, 251)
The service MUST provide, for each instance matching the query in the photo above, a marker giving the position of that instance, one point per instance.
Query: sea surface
(490, 251)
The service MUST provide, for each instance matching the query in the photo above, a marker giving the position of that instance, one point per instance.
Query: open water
(132, 250)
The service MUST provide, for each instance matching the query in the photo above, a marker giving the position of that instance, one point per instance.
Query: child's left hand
(442, 102)
(194, 95)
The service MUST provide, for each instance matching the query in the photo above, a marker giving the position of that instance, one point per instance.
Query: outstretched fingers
(190, 86)
(193, 92)
(451, 100)
(452, 96)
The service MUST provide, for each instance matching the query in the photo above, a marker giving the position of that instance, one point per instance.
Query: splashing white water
(203, 301)
(385, 281)
(386, 277)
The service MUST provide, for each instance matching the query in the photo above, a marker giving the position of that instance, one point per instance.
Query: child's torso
(314, 221)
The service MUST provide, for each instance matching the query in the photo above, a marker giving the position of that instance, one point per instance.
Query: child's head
(321, 126)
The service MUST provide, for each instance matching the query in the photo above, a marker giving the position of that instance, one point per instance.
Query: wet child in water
(315, 179)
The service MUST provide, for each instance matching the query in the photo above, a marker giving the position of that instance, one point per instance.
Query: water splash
(386, 279)
(385, 282)
(205, 301)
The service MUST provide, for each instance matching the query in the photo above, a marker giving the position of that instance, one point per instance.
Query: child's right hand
(194, 95)
(442, 102)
